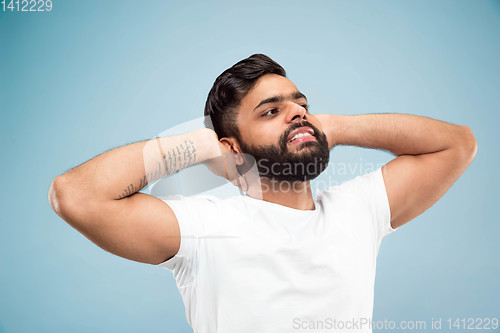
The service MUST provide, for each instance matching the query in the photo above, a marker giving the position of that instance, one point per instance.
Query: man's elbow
(468, 145)
(59, 196)
(55, 195)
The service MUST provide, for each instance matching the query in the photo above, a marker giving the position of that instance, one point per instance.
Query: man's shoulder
(202, 200)
(359, 185)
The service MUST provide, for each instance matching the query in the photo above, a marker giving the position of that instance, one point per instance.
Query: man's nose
(295, 113)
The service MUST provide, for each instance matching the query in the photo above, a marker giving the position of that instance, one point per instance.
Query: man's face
(277, 129)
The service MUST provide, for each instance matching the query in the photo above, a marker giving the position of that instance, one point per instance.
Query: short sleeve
(191, 213)
(379, 204)
(370, 187)
(187, 228)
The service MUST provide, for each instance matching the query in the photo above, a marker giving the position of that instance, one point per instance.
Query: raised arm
(431, 155)
(100, 198)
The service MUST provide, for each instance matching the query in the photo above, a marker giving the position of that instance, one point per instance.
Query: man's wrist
(207, 143)
(337, 129)
(332, 127)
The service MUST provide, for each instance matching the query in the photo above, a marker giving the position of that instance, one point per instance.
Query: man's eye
(305, 106)
(270, 113)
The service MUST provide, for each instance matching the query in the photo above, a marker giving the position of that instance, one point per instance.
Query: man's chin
(308, 146)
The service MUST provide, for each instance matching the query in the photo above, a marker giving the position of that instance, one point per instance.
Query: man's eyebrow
(275, 99)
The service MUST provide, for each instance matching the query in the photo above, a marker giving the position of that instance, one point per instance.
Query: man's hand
(326, 121)
(224, 164)
(240, 169)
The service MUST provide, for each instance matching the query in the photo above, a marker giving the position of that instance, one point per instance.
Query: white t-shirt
(247, 265)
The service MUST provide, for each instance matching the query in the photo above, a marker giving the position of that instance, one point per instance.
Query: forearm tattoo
(176, 158)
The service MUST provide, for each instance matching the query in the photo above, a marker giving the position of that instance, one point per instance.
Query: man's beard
(279, 163)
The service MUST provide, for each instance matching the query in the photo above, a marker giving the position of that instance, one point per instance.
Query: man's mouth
(300, 135)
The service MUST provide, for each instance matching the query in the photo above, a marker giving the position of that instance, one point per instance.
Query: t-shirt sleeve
(370, 187)
(191, 214)
(379, 203)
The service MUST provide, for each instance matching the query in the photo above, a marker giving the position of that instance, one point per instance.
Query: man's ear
(232, 145)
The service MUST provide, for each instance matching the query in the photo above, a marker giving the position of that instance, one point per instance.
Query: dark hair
(229, 89)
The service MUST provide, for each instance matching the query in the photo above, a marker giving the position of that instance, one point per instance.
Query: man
(275, 259)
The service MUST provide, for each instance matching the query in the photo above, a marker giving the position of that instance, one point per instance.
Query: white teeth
(300, 135)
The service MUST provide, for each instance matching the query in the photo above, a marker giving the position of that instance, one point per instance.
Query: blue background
(94, 75)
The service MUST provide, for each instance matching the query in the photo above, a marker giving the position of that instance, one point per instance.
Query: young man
(275, 259)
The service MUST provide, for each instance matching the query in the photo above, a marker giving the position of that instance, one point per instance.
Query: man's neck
(297, 195)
